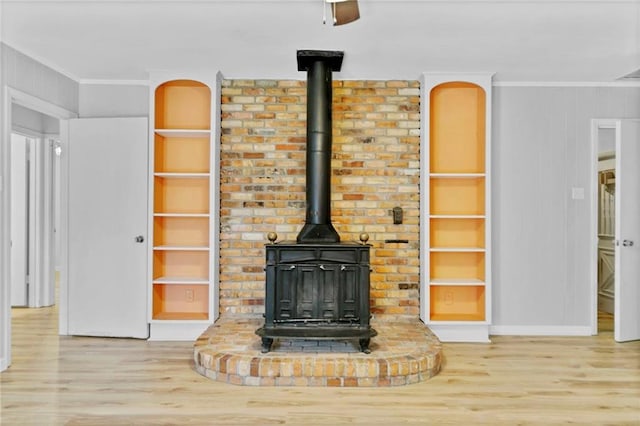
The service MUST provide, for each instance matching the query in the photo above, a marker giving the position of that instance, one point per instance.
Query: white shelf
(457, 175)
(182, 175)
(183, 133)
(457, 216)
(181, 215)
(180, 321)
(457, 282)
(458, 249)
(181, 280)
(181, 248)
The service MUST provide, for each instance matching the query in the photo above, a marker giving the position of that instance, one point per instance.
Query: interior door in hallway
(19, 219)
(627, 249)
(107, 214)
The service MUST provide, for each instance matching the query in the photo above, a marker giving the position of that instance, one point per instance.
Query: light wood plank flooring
(515, 380)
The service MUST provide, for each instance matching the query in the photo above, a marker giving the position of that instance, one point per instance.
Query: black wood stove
(317, 287)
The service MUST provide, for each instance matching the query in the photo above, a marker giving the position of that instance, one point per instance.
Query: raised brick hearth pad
(405, 351)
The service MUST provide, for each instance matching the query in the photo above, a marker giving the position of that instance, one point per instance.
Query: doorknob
(627, 243)
(139, 239)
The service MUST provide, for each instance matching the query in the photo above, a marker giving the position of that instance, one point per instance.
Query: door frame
(13, 96)
(596, 124)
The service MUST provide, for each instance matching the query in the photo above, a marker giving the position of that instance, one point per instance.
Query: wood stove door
(326, 292)
(309, 291)
(286, 277)
(349, 292)
(316, 292)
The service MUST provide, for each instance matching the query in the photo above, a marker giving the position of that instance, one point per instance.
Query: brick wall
(375, 167)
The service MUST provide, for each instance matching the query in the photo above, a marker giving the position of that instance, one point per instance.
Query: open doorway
(606, 142)
(615, 226)
(37, 121)
(34, 219)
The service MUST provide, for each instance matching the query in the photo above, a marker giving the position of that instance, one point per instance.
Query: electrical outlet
(188, 295)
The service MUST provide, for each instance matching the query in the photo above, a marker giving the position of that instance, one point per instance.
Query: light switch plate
(577, 193)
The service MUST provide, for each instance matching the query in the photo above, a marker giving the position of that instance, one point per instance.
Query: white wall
(29, 76)
(114, 100)
(541, 236)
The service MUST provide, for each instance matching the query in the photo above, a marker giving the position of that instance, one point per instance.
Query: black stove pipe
(319, 65)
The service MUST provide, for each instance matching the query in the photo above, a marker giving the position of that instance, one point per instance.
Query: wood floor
(514, 380)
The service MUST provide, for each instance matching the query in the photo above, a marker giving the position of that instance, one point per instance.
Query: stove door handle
(323, 268)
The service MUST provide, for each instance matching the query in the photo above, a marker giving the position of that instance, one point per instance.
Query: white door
(107, 215)
(627, 250)
(19, 219)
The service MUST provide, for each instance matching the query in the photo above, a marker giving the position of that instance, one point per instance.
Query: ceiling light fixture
(343, 11)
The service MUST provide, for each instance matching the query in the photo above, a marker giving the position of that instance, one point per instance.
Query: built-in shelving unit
(183, 180)
(456, 288)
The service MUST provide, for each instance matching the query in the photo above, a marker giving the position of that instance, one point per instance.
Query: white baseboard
(176, 331)
(472, 333)
(3, 364)
(540, 330)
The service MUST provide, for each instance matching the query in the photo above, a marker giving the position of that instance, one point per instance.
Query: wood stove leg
(364, 346)
(266, 344)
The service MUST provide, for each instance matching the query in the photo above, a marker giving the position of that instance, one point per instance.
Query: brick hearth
(404, 352)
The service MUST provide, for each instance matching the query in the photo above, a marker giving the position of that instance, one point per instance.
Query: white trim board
(29, 132)
(504, 83)
(114, 82)
(540, 330)
(566, 84)
(26, 100)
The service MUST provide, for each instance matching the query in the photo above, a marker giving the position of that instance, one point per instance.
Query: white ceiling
(519, 40)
